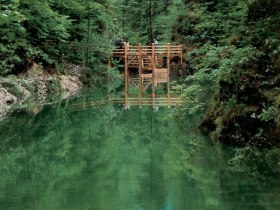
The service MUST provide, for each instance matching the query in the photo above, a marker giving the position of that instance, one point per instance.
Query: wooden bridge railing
(147, 50)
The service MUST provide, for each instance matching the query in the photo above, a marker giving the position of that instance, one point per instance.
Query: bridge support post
(153, 76)
(168, 74)
(126, 75)
(181, 47)
(140, 83)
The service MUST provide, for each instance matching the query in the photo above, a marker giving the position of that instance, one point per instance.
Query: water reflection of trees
(108, 158)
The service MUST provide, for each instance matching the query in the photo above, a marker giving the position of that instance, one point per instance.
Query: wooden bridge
(153, 64)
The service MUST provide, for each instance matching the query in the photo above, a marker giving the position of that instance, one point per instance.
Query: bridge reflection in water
(128, 102)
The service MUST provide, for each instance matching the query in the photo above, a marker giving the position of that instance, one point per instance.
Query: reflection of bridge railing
(159, 101)
(145, 101)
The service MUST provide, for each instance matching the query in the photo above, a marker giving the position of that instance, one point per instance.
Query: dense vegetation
(52, 33)
(232, 52)
(233, 48)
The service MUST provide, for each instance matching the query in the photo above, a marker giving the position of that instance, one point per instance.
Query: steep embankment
(234, 50)
(37, 87)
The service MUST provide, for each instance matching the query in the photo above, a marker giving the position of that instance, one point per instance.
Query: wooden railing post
(181, 48)
(140, 74)
(126, 75)
(153, 76)
(168, 74)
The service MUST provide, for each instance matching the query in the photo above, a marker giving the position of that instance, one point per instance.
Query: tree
(12, 35)
(235, 63)
(45, 28)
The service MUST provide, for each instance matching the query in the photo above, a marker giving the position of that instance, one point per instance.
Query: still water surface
(108, 158)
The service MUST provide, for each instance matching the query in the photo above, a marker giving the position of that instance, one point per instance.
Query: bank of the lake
(38, 86)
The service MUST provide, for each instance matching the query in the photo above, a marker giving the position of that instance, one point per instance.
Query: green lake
(103, 157)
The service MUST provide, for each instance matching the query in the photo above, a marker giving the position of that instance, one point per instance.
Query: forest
(231, 53)
(229, 81)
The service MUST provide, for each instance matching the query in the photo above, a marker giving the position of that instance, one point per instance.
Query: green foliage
(29, 86)
(214, 64)
(12, 35)
(53, 32)
(12, 88)
(115, 80)
(53, 85)
(165, 20)
(233, 48)
(142, 21)
(45, 29)
(47, 25)
(8, 59)
(247, 160)
(267, 114)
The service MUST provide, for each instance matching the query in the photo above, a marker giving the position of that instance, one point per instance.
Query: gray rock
(6, 101)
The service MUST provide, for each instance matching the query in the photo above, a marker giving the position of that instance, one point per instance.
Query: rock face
(38, 85)
(6, 101)
(70, 85)
(41, 88)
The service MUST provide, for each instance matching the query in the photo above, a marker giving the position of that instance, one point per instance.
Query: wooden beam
(153, 76)
(126, 75)
(168, 74)
(181, 54)
(140, 73)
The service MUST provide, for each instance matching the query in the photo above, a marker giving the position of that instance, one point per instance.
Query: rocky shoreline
(36, 85)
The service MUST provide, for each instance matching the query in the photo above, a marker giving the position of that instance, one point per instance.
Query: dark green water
(107, 158)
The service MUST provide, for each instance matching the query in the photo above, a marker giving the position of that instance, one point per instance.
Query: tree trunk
(149, 22)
